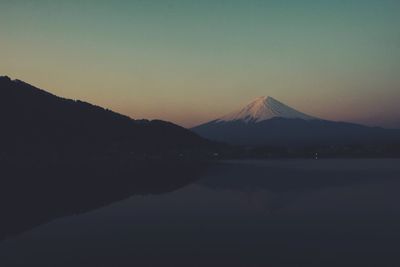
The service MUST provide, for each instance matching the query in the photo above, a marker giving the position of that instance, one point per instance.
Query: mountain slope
(268, 122)
(39, 124)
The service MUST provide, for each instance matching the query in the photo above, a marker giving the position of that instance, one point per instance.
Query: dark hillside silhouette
(37, 124)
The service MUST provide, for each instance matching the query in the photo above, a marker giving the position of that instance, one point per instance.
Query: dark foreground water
(244, 213)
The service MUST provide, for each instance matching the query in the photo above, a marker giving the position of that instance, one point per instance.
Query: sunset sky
(193, 61)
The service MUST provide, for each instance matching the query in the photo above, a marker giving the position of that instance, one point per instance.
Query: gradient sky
(192, 61)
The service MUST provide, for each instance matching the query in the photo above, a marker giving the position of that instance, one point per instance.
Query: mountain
(38, 125)
(264, 108)
(268, 122)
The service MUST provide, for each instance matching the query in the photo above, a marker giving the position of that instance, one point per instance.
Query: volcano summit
(264, 108)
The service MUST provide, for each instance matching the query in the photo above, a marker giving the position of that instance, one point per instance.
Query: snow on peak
(264, 108)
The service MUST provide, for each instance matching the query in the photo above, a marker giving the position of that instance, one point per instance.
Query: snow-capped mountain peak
(264, 108)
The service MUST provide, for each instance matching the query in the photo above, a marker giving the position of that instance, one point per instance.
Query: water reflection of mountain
(33, 196)
(284, 176)
(334, 187)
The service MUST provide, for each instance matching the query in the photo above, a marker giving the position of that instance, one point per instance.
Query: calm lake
(237, 213)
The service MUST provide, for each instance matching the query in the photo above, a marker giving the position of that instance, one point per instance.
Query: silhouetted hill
(37, 124)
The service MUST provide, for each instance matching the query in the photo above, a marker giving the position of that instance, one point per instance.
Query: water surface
(238, 213)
